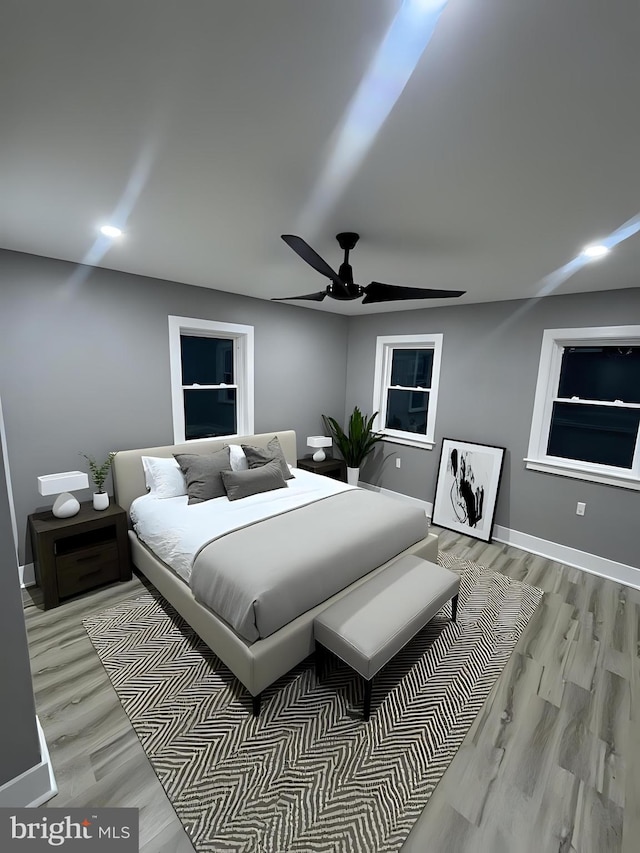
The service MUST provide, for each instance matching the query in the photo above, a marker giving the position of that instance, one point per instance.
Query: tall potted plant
(98, 474)
(356, 443)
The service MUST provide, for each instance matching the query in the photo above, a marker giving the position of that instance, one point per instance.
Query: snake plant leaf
(359, 440)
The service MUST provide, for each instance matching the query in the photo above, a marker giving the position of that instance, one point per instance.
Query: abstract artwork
(467, 487)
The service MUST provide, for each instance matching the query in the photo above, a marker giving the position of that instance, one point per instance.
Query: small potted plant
(98, 474)
(355, 444)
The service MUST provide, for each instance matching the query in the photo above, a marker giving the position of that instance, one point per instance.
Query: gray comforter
(262, 576)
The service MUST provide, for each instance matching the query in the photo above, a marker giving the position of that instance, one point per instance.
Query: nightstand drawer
(86, 569)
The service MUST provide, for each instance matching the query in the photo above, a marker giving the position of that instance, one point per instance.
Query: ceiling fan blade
(312, 297)
(379, 292)
(302, 248)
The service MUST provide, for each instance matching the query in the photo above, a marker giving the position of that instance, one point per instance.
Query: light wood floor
(552, 762)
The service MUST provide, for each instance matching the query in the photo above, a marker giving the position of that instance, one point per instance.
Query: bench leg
(366, 711)
(255, 704)
(454, 608)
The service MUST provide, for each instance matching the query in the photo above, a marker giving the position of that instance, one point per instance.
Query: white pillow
(237, 458)
(163, 477)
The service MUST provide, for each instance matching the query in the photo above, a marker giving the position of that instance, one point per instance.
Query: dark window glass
(206, 361)
(599, 434)
(209, 413)
(412, 367)
(601, 373)
(407, 410)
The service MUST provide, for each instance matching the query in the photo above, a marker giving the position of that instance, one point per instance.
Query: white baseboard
(27, 574)
(35, 786)
(428, 507)
(619, 572)
(610, 569)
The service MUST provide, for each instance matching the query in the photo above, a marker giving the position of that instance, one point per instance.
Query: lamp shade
(67, 481)
(319, 441)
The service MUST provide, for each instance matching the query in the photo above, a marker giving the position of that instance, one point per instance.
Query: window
(405, 391)
(586, 417)
(211, 378)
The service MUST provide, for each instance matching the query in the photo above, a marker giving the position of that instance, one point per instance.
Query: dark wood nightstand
(329, 467)
(74, 555)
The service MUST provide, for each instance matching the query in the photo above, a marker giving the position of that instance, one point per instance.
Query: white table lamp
(319, 442)
(65, 505)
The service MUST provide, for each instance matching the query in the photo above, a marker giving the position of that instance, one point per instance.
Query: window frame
(242, 336)
(385, 345)
(554, 342)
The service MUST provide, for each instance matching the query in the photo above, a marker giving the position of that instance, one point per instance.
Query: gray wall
(19, 744)
(487, 384)
(85, 367)
(84, 357)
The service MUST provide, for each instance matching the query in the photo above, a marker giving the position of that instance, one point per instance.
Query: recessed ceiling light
(595, 251)
(110, 231)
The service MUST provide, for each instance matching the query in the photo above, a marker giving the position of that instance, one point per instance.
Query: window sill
(408, 442)
(226, 436)
(567, 470)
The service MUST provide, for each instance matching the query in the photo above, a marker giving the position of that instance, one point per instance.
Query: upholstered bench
(373, 623)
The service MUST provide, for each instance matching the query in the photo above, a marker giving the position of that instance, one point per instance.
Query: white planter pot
(353, 475)
(100, 500)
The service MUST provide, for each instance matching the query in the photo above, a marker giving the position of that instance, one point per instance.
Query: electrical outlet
(581, 508)
(397, 461)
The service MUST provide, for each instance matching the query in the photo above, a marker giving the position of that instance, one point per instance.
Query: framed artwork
(467, 487)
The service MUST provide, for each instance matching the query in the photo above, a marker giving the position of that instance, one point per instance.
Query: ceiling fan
(342, 286)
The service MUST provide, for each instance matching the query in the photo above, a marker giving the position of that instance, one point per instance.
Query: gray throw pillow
(202, 473)
(257, 456)
(265, 478)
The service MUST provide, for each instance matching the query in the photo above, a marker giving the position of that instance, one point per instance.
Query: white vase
(100, 500)
(353, 475)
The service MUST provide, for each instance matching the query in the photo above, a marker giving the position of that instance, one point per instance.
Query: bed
(262, 636)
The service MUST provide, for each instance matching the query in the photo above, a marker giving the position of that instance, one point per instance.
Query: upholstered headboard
(128, 476)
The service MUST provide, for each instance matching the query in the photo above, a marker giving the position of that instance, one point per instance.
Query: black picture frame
(467, 487)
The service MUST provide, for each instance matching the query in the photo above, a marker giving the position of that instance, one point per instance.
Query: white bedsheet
(176, 531)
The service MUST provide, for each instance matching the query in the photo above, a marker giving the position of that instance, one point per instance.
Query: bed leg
(454, 608)
(255, 704)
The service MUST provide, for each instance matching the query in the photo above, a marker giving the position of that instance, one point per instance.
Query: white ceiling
(206, 125)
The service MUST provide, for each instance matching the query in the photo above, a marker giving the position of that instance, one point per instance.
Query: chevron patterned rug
(308, 775)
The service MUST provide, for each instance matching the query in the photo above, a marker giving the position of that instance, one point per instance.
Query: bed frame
(257, 665)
